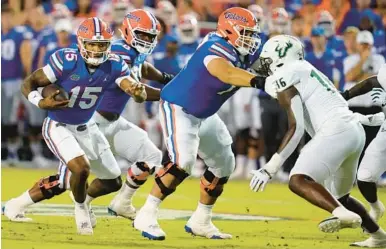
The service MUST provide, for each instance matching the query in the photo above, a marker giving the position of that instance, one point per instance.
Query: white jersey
(323, 105)
(381, 77)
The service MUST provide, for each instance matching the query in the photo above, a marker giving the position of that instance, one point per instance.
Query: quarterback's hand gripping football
(49, 103)
(138, 92)
(378, 95)
(259, 179)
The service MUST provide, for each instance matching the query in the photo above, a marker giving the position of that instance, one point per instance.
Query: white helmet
(279, 51)
(188, 30)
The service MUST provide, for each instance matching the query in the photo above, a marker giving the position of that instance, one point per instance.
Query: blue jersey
(11, 66)
(50, 42)
(194, 88)
(324, 62)
(185, 52)
(115, 99)
(67, 69)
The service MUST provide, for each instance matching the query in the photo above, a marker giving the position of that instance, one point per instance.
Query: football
(50, 89)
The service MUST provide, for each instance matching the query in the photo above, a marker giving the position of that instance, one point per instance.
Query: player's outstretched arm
(290, 100)
(361, 88)
(132, 87)
(229, 74)
(29, 90)
(149, 72)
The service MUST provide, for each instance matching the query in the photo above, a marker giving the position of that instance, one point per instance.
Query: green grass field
(298, 229)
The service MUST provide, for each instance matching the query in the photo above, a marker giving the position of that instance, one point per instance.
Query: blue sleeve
(122, 51)
(56, 63)
(120, 66)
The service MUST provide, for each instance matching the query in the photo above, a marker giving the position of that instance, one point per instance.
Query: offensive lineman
(68, 130)
(331, 157)
(191, 126)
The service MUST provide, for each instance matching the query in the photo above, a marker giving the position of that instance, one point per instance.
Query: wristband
(34, 97)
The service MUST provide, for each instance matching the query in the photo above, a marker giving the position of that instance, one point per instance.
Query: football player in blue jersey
(68, 130)
(191, 126)
(15, 60)
(139, 31)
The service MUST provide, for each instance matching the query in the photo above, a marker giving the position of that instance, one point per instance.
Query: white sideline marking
(164, 214)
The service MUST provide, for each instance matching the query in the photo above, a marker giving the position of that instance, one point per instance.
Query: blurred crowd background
(345, 39)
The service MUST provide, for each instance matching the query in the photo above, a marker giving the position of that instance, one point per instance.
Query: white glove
(371, 119)
(259, 179)
(378, 95)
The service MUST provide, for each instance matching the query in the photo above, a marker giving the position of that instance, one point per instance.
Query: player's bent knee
(172, 169)
(212, 185)
(79, 167)
(365, 175)
(296, 182)
(50, 186)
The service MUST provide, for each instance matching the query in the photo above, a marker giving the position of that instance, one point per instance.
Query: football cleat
(93, 218)
(146, 222)
(334, 224)
(14, 213)
(371, 243)
(205, 229)
(82, 219)
(122, 208)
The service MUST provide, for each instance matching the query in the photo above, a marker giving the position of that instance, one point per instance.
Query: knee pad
(174, 170)
(211, 184)
(50, 186)
(138, 174)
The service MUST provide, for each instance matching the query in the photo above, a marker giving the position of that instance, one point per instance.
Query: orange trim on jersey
(175, 133)
(55, 67)
(66, 178)
(223, 47)
(218, 53)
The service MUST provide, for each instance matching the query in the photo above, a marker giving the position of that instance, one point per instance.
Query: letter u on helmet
(240, 27)
(94, 30)
(137, 22)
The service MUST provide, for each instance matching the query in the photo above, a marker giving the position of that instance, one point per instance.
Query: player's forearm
(153, 94)
(291, 138)
(149, 72)
(362, 87)
(295, 131)
(237, 77)
(33, 81)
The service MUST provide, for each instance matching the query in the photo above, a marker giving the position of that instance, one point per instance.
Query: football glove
(378, 95)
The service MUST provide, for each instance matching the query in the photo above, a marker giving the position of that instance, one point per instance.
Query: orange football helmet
(241, 28)
(140, 29)
(94, 30)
